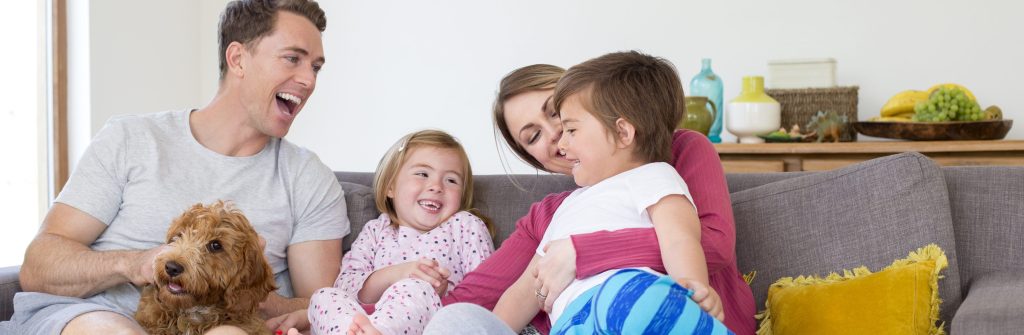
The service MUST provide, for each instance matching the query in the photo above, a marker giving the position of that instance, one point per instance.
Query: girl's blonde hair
(388, 168)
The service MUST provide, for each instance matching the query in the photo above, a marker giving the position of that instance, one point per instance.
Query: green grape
(948, 104)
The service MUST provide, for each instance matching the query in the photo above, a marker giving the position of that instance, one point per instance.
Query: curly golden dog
(215, 274)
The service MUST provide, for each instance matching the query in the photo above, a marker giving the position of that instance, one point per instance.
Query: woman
(531, 128)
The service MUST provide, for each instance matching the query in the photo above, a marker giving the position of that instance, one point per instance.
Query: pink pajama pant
(404, 308)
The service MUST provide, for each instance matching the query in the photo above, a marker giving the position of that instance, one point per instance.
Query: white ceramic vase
(753, 112)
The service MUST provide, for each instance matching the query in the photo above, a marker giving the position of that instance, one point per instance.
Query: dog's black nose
(173, 269)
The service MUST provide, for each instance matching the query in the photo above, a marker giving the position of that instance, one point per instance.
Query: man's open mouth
(289, 103)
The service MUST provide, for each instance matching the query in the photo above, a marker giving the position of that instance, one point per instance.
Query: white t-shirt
(618, 202)
(141, 172)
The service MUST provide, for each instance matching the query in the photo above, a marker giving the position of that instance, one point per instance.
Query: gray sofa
(789, 224)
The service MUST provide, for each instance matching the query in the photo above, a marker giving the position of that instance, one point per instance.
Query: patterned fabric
(637, 302)
(404, 308)
(459, 245)
(530, 330)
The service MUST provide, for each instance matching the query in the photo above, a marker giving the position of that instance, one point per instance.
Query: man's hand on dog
(144, 269)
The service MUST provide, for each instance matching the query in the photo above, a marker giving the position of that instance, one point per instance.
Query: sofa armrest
(8, 287)
(994, 305)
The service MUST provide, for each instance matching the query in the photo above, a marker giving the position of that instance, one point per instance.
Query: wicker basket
(800, 105)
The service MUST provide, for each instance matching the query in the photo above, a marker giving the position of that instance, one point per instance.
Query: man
(83, 272)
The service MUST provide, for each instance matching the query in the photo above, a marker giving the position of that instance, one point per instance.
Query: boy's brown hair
(642, 89)
(247, 21)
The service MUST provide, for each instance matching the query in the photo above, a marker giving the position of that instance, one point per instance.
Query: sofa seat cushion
(900, 299)
(864, 214)
(994, 305)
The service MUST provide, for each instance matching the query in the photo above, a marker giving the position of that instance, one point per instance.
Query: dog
(215, 274)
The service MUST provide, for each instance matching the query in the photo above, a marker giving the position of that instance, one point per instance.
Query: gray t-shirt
(141, 172)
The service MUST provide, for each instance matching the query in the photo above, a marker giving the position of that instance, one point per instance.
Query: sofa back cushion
(503, 199)
(865, 214)
(987, 204)
(504, 202)
(361, 209)
(742, 181)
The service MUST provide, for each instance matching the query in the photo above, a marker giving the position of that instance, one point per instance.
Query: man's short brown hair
(246, 21)
(642, 89)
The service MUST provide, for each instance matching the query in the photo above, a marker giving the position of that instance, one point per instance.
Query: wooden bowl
(935, 131)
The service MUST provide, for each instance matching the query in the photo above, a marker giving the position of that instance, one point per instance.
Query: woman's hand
(705, 296)
(296, 320)
(555, 271)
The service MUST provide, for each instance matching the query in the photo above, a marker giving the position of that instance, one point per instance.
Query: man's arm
(312, 265)
(59, 260)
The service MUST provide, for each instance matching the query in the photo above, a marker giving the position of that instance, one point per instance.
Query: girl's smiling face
(428, 188)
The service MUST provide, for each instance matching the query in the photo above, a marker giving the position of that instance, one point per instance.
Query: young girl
(424, 241)
(618, 113)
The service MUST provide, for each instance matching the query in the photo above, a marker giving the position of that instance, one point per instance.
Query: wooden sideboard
(782, 157)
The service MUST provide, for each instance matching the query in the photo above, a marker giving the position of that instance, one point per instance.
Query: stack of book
(802, 73)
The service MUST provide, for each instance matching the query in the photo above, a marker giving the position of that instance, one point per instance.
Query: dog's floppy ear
(255, 279)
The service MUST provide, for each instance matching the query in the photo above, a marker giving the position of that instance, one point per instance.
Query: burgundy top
(697, 162)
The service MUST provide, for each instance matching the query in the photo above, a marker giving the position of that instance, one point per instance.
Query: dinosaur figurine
(827, 125)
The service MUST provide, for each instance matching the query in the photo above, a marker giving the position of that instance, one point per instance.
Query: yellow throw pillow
(901, 299)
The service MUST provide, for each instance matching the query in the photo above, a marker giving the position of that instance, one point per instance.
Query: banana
(951, 85)
(903, 103)
(890, 119)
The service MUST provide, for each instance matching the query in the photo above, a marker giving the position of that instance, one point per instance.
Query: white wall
(398, 66)
(130, 57)
(393, 67)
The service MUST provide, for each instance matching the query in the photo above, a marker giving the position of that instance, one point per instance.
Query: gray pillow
(868, 214)
(359, 202)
